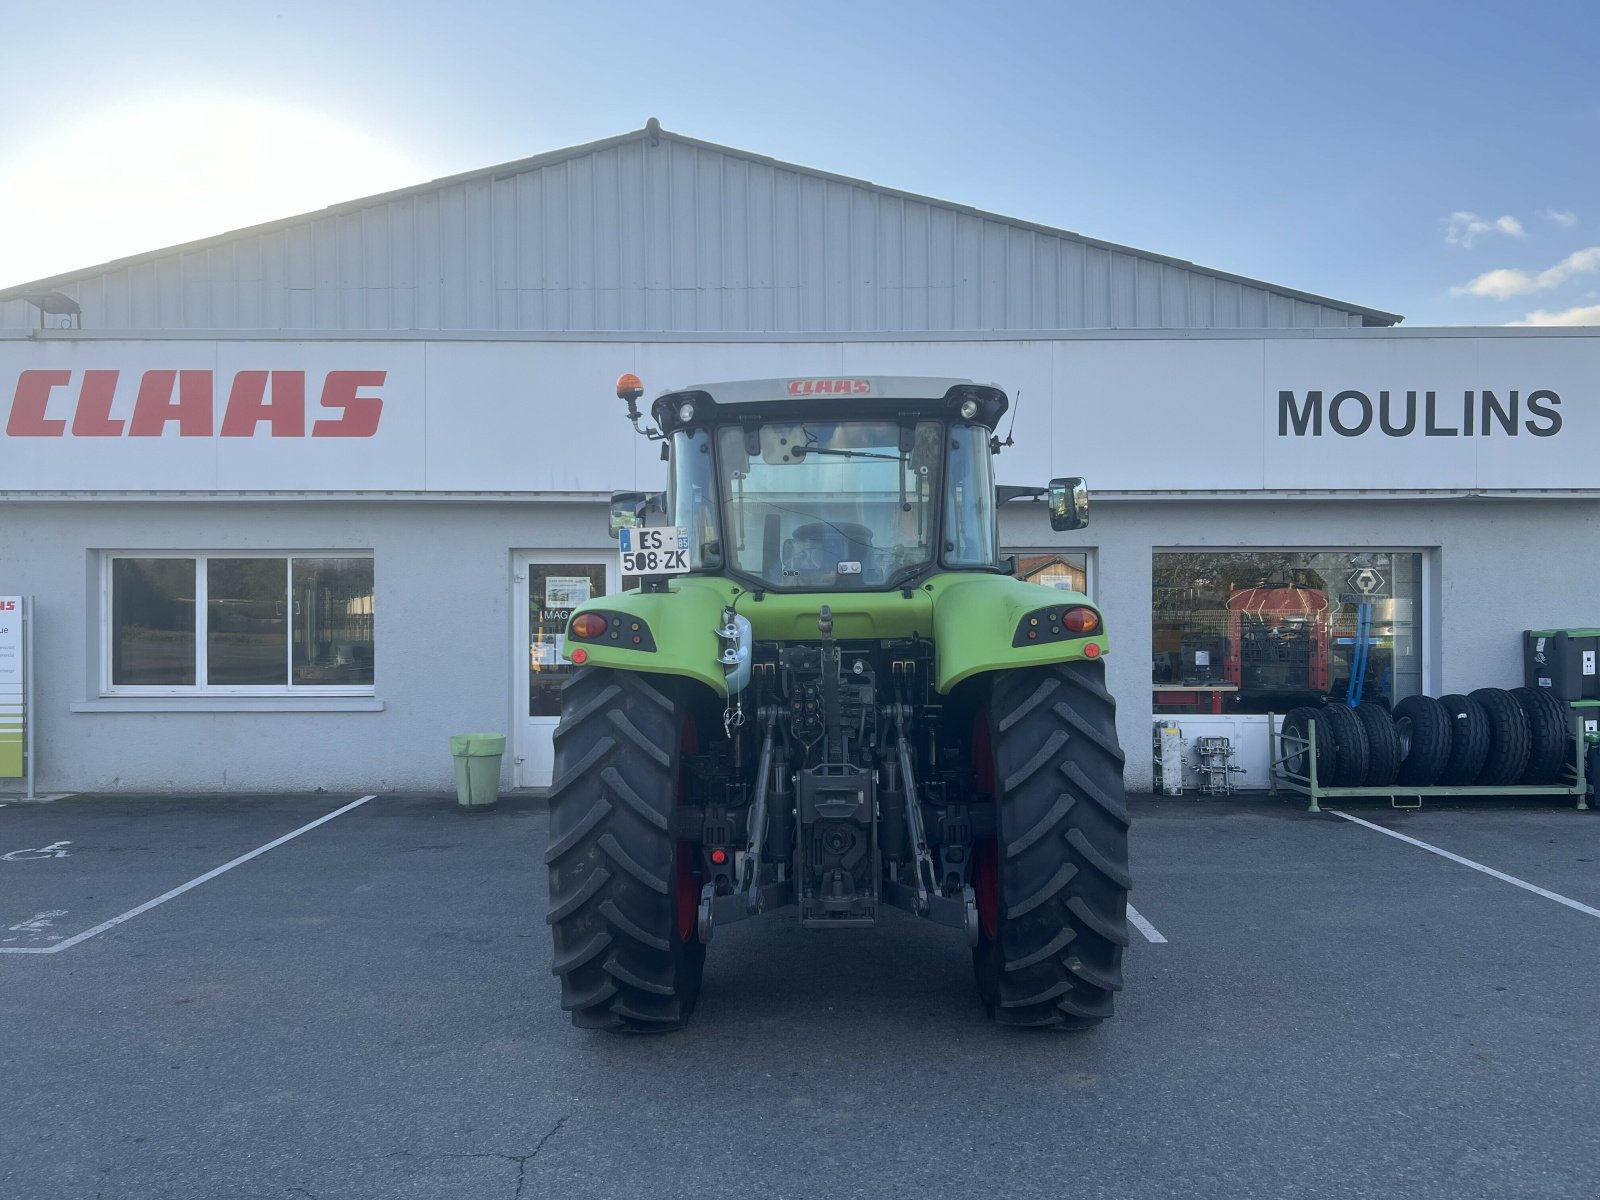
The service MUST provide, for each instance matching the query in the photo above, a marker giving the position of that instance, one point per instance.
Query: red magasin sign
(62, 403)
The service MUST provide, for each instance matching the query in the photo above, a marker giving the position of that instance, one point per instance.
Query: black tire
(1469, 740)
(1383, 746)
(1295, 731)
(1550, 740)
(1349, 746)
(1509, 738)
(1053, 888)
(621, 887)
(1422, 728)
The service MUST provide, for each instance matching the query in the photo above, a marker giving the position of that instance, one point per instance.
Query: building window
(1256, 631)
(240, 624)
(1064, 570)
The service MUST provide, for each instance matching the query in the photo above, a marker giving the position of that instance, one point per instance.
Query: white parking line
(1476, 866)
(182, 888)
(1150, 932)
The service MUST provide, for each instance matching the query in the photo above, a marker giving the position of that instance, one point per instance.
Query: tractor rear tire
(1349, 745)
(1422, 726)
(1509, 737)
(1551, 739)
(1053, 887)
(1469, 740)
(623, 893)
(1383, 747)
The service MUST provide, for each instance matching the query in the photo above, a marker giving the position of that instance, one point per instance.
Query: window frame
(200, 688)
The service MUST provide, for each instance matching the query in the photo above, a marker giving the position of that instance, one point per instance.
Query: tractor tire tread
(1425, 751)
(1550, 737)
(1349, 745)
(613, 909)
(1469, 740)
(1383, 745)
(1510, 739)
(1062, 838)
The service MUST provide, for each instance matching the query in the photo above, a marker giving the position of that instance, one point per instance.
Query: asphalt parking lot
(366, 1010)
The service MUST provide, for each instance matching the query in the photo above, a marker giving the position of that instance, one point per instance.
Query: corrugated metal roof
(656, 231)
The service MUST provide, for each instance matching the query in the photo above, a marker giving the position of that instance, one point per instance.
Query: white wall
(444, 586)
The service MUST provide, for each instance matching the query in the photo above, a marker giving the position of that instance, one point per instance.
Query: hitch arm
(758, 813)
(927, 879)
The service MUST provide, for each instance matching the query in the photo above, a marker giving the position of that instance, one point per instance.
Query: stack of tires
(1490, 737)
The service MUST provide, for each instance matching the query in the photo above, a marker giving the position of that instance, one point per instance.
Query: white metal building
(295, 503)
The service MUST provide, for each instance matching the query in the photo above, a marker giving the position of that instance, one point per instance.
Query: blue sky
(1432, 159)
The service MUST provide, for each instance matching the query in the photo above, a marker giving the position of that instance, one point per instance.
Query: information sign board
(13, 708)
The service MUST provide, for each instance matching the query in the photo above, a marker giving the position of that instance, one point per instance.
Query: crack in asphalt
(522, 1160)
(522, 1163)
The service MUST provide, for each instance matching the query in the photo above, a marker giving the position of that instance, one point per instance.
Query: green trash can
(477, 758)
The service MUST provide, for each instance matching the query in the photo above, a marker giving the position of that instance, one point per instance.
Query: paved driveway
(366, 1010)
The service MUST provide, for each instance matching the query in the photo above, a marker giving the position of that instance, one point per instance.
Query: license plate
(662, 551)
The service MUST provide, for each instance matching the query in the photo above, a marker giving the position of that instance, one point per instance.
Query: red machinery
(1279, 639)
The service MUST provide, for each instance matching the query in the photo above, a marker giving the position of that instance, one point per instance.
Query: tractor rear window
(840, 505)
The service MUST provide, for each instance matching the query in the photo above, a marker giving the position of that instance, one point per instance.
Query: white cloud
(1589, 315)
(1564, 219)
(1506, 282)
(1500, 284)
(1462, 228)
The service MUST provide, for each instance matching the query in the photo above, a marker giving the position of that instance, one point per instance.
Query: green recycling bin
(477, 758)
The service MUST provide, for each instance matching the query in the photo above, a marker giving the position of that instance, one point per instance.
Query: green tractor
(829, 693)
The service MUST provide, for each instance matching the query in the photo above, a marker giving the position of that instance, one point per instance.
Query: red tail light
(588, 625)
(1081, 620)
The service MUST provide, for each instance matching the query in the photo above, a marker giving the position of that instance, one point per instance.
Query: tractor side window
(969, 514)
(694, 497)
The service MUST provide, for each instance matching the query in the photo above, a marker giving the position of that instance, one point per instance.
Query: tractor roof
(876, 396)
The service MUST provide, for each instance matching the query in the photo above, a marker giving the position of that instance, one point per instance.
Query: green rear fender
(682, 624)
(975, 618)
(972, 619)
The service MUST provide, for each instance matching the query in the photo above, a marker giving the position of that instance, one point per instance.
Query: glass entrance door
(548, 590)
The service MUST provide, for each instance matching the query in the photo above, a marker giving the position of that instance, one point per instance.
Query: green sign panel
(12, 702)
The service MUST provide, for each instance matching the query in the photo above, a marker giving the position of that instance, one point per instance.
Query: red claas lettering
(184, 403)
(248, 406)
(155, 406)
(361, 413)
(829, 387)
(32, 401)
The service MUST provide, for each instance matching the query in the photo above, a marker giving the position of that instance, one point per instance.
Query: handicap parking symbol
(53, 850)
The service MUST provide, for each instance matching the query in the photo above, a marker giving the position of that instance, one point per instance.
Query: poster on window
(566, 591)
(12, 715)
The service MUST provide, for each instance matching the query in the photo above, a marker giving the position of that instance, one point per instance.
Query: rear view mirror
(1069, 504)
(627, 511)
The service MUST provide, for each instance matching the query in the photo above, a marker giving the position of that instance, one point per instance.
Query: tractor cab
(841, 484)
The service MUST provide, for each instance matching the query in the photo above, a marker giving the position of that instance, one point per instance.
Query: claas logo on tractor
(829, 695)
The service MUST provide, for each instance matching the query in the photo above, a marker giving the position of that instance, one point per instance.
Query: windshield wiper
(804, 450)
(810, 447)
